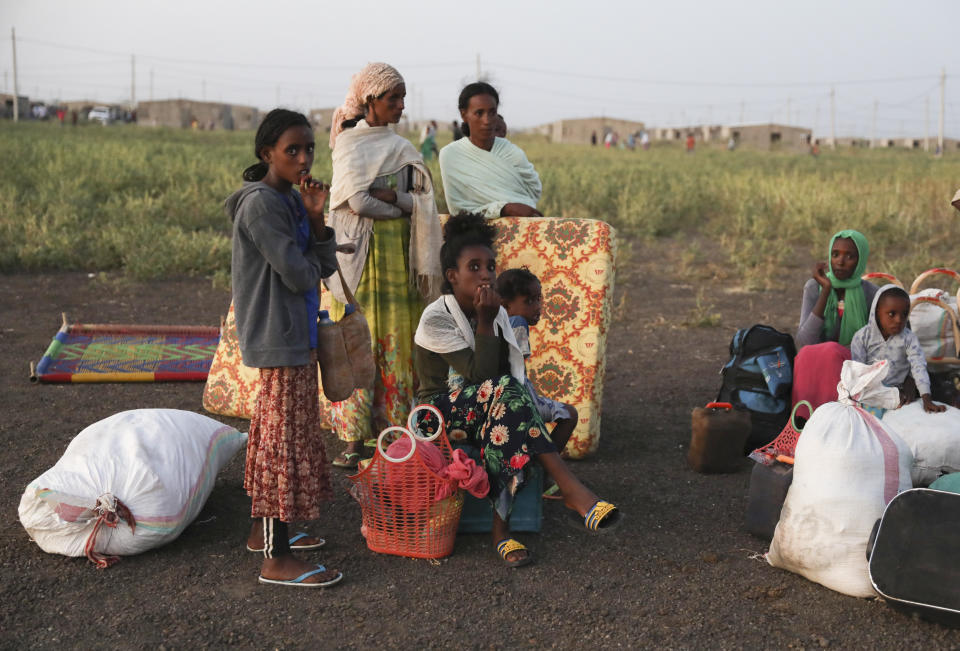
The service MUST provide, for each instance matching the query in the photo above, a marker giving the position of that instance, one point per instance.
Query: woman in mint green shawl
(835, 305)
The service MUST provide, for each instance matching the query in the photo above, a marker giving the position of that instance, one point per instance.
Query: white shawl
(480, 181)
(362, 154)
(444, 328)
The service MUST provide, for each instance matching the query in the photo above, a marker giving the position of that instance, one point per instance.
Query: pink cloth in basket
(462, 468)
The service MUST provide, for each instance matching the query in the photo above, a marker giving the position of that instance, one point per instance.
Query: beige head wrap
(374, 80)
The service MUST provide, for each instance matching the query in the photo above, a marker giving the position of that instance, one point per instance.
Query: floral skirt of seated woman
(500, 418)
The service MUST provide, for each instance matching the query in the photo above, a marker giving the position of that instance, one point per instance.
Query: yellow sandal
(509, 545)
(602, 517)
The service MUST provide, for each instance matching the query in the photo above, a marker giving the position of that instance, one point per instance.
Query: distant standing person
(483, 173)
(645, 141)
(691, 143)
(608, 140)
(593, 138)
(429, 145)
(457, 133)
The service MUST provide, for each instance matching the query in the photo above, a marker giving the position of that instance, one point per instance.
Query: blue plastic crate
(527, 514)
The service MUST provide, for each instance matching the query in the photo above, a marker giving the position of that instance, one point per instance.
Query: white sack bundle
(934, 440)
(848, 466)
(128, 483)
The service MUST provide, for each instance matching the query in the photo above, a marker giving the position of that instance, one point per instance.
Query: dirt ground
(680, 573)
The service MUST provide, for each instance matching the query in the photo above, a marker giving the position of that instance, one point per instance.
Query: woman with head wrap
(484, 173)
(835, 305)
(382, 202)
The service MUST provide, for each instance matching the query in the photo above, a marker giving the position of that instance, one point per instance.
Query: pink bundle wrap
(461, 468)
(816, 372)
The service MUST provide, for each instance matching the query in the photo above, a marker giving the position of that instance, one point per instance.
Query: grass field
(147, 202)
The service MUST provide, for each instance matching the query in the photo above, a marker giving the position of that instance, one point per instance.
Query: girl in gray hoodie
(281, 250)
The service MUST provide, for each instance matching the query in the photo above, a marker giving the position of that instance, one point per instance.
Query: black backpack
(758, 378)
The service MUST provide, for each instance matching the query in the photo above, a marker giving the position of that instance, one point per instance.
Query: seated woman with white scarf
(471, 369)
(482, 173)
(381, 201)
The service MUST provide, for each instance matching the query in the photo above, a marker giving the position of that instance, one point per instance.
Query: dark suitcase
(912, 554)
(768, 491)
(718, 433)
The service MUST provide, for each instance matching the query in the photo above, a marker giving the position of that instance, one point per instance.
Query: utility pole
(833, 118)
(926, 126)
(16, 91)
(943, 90)
(873, 140)
(414, 102)
(133, 82)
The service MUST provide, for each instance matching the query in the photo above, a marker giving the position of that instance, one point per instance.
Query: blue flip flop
(295, 547)
(298, 582)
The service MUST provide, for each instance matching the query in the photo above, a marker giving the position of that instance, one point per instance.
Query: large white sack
(847, 467)
(934, 439)
(160, 463)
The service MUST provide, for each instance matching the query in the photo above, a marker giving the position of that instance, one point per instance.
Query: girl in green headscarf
(836, 301)
(835, 305)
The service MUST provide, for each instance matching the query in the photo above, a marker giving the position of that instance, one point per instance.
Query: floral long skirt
(286, 473)
(500, 418)
(393, 310)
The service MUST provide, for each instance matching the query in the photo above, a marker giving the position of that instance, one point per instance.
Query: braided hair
(274, 124)
(461, 231)
(471, 90)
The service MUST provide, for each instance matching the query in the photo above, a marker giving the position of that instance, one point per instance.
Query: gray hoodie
(902, 350)
(270, 275)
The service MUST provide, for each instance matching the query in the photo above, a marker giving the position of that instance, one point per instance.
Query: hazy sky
(666, 63)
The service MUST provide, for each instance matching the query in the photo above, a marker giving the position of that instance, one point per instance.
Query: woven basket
(782, 448)
(397, 497)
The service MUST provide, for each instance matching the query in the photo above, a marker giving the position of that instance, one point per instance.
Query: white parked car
(101, 114)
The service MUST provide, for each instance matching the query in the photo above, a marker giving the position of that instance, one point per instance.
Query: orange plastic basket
(783, 447)
(398, 497)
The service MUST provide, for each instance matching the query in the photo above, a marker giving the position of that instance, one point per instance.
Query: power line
(230, 64)
(722, 84)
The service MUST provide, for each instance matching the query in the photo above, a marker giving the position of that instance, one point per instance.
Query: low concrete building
(846, 141)
(949, 144)
(770, 137)
(183, 112)
(23, 106)
(579, 131)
